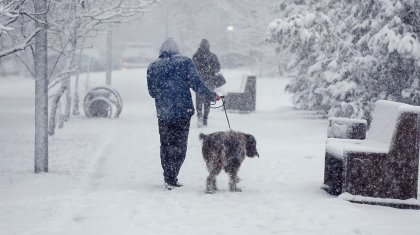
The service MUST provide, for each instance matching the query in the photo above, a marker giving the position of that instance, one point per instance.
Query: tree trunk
(67, 111)
(73, 44)
(109, 56)
(55, 110)
(76, 99)
(87, 80)
(41, 88)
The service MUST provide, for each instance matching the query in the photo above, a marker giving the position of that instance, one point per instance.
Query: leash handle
(224, 108)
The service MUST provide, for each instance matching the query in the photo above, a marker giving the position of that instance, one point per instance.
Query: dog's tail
(202, 136)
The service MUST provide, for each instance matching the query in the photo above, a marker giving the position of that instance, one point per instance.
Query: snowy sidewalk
(106, 176)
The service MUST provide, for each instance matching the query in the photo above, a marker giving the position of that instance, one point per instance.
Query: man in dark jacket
(208, 66)
(169, 80)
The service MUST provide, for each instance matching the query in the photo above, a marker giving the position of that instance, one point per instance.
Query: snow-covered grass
(105, 175)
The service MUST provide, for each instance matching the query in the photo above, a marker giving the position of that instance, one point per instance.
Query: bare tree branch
(25, 64)
(20, 47)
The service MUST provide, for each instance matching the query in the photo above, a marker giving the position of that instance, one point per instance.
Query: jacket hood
(169, 45)
(204, 45)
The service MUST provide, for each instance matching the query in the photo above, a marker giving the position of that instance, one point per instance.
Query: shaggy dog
(226, 150)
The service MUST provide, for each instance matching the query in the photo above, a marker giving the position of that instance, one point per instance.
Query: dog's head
(251, 146)
(202, 136)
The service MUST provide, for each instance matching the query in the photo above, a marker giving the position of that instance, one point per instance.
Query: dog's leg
(232, 169)
(214, 170)
(211, 184)
(237, 179)
(233, 180)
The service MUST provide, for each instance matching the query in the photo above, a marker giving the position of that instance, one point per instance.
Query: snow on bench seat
(337, 147)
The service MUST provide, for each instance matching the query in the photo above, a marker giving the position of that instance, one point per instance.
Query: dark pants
(201, 101)
(173, 147)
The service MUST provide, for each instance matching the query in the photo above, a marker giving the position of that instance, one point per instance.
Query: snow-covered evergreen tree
(351, 53)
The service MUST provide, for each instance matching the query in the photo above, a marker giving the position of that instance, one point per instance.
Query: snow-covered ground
(105, 175)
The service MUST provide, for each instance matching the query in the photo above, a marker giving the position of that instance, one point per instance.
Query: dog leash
(224, 108)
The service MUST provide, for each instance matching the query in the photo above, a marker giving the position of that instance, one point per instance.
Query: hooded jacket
(206, 62)
(169, 80)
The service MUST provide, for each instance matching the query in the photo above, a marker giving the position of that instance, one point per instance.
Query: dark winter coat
(169, 80)
(206, 62)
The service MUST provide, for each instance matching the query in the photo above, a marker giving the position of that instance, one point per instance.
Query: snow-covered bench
(385, 164)
(346, 128)
(243, 101)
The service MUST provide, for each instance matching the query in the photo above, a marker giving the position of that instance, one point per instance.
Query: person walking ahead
(208, 66)
(169, 80)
